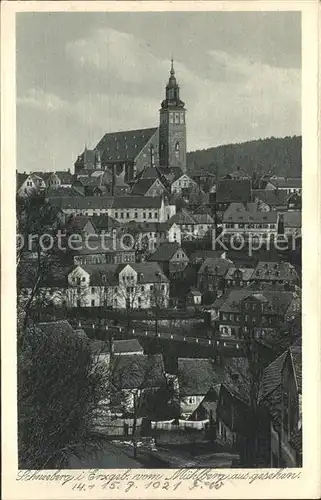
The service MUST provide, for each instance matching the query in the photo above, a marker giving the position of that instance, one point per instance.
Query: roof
(21, 178)
(196, 376)
(98, 347)
(229, 190)
(274, 301)
(126, 346)
(296, 355)
(104, 222)
(287, 182)
(246, 273)
(136, 371)
(60, 327)
(271, 197)
(141, 186)
(125, 145)
(123, 202)
(65, 176)
(204, 254)
(292, 219)
(78, 222)
(183, 217)
(238, 213)
(100, 273)
(149, 172)
(148, 272)
(203, 219)
(217, 265)
(239, 174)
(82, 202)
(271, 377)
(276, 271)
(165, 252)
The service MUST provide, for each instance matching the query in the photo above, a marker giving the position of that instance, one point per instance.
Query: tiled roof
(165, 252)
(183, 217)
(21, 178)
(149, 172)
(292, 219)
(271, 378)
(217, 265)
(196, 376)
(104, 222)
(126, 346)
(203, 219)
(98, 347)
(276, 271)
(296, 354)
(78, 222)
(271, 197)
(290, 182)
(249, 216)
(141, 186)
(138, 371)
(148, 272)
(204, 254)
(239, 174)
(229, 190)
(124, 146)
(62, 192)
(65, 176)
(246, 273)
(82, 202)
(123, 202)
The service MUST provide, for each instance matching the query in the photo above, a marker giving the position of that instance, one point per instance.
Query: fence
(172, 425)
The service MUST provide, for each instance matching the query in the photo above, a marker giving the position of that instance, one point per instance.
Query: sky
(80, 75)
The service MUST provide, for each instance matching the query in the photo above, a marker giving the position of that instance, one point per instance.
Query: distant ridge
(280, 156)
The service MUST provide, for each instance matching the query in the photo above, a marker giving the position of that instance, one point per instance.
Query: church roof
(125, 145)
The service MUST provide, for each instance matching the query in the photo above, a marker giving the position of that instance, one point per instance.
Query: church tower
(172, 127)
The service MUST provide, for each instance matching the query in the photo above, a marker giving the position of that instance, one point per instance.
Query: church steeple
(172, 127)
(172, 91)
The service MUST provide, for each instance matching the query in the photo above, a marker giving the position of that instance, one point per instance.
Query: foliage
(280, 156)
(59, 388)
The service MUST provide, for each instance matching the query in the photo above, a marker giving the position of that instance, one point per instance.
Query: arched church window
(177, 146)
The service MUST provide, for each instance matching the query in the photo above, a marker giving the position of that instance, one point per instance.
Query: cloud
(38, 98)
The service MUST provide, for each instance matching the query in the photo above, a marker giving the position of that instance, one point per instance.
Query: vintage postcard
(160, 250)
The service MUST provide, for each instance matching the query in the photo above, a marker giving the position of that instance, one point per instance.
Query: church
(159, 150)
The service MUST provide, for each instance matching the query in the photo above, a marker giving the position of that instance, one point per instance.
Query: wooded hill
(280, 156)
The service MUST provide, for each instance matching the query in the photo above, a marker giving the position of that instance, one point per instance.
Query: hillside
(280, 156)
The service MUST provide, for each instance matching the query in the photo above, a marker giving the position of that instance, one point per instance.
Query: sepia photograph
(158, 253)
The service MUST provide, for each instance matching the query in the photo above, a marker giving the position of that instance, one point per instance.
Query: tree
(60, 385)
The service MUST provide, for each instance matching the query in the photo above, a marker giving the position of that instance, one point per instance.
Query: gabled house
(59, 179)
(196, 376)
(28, 184)
(171, 257)
(276, 273)
(237, 277)
(281, 394)
(141, 209)
(80, 224)
(271, 200)
(232, 191)
(147, 187)
(288, 184)
(212, 273)
(206, 410)
(183, 181)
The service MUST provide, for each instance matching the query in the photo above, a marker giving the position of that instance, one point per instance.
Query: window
(136, 215)
(163, 287)
(83, 278)
(191, 400)
(143, 288)
(121, 215)
(151, 288)
(78, 290)
(144, 215)
(127, 215)
(128, 289)
(78, 303)
(92, 289)
(155, 214)
(92, 303)
(150, 215)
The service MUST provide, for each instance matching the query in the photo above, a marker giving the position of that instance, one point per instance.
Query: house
(282, 273)
(141, 209)
(105, 225)
(281, 393)
(237, 174)
(271, 200)
(135, 377)
(152, 234)
(199, 256)
(232, 191)
(295, 201)
(102, 250)
(288, 184)
(244, 309)
(194, 297)
(192, 226)
(244, 223)
(182, 181)
(206, 410)
(80, 224)
(59, 179)
(232, 416)
(237, 277)
(291, 223)
(147, 187)
(126, 347)
(171, 257)
(27, 184)
(211, 274)
(195, 377)
(83, 205)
